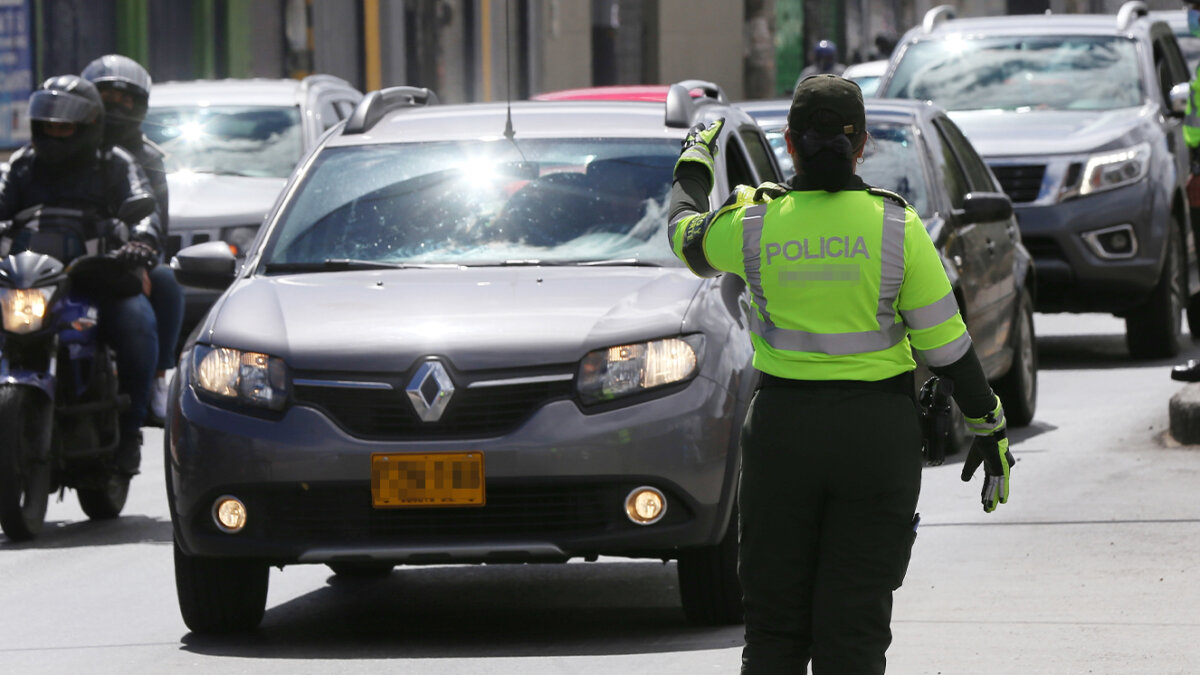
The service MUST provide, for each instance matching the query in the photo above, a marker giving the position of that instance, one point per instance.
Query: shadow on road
(481, 611)
(1099, 351)
(88, 533)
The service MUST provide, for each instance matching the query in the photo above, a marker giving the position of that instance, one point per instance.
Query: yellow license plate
(433, 479)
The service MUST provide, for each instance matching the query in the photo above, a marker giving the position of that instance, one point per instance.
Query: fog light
(1113, 243)
(645, 505)
(229, 513)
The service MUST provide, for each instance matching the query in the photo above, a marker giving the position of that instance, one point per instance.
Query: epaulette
(769, 191)
(880, 192)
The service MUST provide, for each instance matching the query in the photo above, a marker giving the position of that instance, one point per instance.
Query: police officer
(64, 165)
(845, 285)
(1191, 122)
(125, 87)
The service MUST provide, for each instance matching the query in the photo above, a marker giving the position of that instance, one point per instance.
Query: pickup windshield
(1021, 73)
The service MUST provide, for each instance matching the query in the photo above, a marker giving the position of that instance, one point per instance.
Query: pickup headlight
(24, 309)
(624, 370)
(236, 376)
(1110, 170)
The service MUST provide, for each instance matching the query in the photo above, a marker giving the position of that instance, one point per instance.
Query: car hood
(203, 198)
(478, 318)
(997, 133)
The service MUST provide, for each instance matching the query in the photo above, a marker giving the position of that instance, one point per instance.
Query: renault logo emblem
(430, 391)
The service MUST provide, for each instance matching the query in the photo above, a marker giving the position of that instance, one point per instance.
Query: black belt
(900, 384)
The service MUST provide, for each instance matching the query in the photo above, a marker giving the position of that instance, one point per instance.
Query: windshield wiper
(619, 262)
(343, 264)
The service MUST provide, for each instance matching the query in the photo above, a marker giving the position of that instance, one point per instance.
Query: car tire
(1193, 317)
(1153, 330)
(220, 595)
(1017, 389)
(709, 588)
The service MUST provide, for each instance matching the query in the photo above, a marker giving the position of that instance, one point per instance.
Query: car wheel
(362, 570)
(1153, 330)
(220, 595)
(1193, 317)
(1018, 387)
(708, 583)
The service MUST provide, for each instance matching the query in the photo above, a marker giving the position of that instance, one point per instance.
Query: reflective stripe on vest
(931, 315)
(947, 353)
(890, 331)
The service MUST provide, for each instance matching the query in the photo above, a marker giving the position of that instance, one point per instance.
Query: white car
(866, 74)
(230, 146)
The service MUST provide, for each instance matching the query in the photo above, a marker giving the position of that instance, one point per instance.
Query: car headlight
(1113, 169)
(240, 377)
(624, 370)
(239, 238)
(24, 308)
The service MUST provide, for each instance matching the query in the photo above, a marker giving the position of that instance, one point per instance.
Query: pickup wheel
(1153, 330)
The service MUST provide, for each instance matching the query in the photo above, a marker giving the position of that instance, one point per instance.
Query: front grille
(379, 414)
(1022, 182)
(344, 513)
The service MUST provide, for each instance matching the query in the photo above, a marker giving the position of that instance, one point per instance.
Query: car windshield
(892, 160)
(556, 201)
(260, 141)
(1021, 73)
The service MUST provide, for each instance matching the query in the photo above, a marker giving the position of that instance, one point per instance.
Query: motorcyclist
(65, 166)
(825, 60)
(125, 87)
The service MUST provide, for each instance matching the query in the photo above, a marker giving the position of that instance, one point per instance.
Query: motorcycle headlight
(24, 308)
(240, 377)
(624, 370)
(1114, 169)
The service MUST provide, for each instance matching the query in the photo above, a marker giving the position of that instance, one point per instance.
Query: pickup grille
(1022, 182)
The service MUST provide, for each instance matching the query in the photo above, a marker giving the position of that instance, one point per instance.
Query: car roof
(771, 113)
(530, 119)
(258, 91)
(1029, 24)
(865, 69)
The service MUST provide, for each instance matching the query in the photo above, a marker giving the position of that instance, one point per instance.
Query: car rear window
(482, 203)
(259, 141)
(1021, 73)
(892, 160)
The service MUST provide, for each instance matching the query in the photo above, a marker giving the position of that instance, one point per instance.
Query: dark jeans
(128, 325)
(829, 485)
(166, 297)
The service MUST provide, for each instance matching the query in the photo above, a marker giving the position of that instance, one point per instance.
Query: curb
(1184, 412)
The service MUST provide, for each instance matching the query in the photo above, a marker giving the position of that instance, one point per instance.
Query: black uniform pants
(829, 485)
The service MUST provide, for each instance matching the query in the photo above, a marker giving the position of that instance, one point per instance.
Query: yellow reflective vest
(844, 285)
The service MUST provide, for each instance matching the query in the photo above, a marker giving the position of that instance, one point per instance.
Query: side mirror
(982, 207)
(209, 265)
(1178, 97)
(136, 208)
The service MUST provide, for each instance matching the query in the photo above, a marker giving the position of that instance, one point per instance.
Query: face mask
(1194, 21)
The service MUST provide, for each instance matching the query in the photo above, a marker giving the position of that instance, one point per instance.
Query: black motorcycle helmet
(66, 99)
(116, 73)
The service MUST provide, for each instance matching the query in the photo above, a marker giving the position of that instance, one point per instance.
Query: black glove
(991, 451)
(137, 253)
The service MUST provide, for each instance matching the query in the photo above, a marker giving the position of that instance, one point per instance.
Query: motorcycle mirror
(26, 215)
(136, 208)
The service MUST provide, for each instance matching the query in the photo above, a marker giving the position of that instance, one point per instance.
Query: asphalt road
(1091, 567)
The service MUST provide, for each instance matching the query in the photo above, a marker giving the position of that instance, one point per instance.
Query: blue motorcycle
(59, 400)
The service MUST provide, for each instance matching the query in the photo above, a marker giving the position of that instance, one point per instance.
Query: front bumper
(555, 487)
